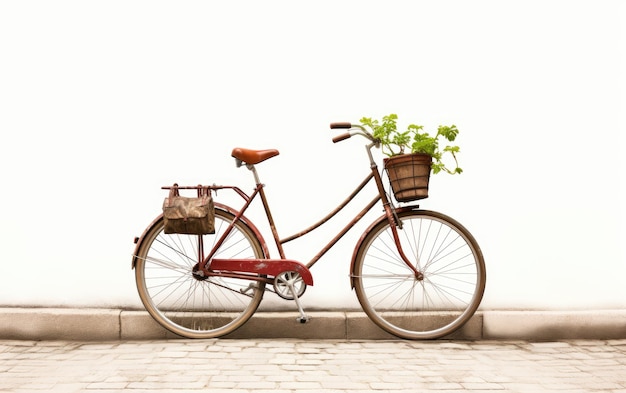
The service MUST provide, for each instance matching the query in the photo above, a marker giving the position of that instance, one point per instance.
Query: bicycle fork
(391, 215)
(419, 276)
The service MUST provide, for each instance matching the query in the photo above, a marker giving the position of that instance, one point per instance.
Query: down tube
(356, 219)
(331, 214)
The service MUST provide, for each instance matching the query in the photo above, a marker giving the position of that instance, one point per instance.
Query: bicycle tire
(400, 303)
(192, 306)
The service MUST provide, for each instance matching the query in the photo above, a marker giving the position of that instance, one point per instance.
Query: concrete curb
(115, 324)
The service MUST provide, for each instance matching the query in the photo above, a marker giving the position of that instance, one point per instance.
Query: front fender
(253, 228)
(367, 231)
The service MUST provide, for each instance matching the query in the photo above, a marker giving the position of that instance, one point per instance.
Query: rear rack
(213, 188)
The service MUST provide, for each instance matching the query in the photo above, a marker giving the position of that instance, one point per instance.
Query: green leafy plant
(414, 140)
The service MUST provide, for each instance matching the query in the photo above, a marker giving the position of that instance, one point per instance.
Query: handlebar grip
(341, 137)
(340, 125)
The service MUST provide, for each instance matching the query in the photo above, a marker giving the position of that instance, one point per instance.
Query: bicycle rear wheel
(187, 304)
(409, 307)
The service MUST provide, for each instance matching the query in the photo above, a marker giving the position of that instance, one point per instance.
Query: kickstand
(303, 318)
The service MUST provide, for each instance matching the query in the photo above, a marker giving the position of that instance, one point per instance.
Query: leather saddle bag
(189, 216)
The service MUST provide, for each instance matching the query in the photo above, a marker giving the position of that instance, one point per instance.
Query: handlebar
(353, 129)
(340, 125)
(341, 137)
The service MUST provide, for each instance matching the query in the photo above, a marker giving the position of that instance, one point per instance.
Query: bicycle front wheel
(186, 303)
(405, 304)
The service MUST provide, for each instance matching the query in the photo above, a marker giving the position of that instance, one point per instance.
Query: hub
(198, 274)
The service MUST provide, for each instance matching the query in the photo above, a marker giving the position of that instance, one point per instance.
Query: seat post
(268, 213)
(256, 175)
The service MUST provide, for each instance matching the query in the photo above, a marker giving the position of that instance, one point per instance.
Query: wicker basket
(409, 175)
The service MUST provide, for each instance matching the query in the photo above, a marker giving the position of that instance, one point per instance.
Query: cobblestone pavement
(307, 366)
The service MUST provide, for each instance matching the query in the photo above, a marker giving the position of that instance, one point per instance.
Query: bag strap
(173, 193)
(203, 191)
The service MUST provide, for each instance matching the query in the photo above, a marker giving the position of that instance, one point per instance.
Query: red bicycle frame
(251, 268)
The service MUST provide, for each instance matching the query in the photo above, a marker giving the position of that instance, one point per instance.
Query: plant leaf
(448, 132)
(452, 149)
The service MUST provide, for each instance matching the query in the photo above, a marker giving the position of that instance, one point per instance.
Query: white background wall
(103, 102)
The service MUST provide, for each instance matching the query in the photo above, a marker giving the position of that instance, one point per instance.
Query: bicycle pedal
(247, 289)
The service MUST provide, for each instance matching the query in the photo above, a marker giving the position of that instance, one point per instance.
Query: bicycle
(418, 274)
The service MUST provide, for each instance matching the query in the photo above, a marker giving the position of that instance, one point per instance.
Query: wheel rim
(182, 301)
(409, 307)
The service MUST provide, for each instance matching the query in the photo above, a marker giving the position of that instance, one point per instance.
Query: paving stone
(313, 365)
